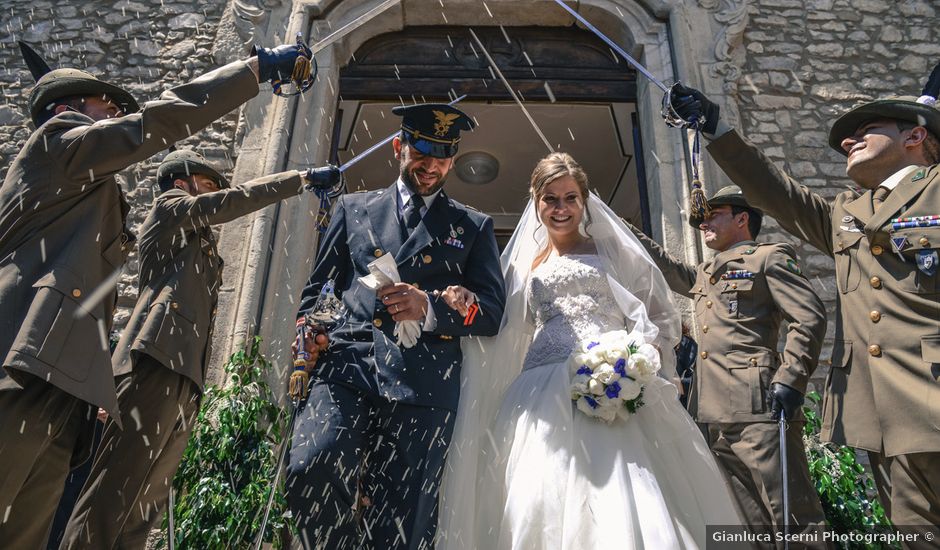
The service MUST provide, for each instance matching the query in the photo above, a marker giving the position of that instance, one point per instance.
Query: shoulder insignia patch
(793, 266)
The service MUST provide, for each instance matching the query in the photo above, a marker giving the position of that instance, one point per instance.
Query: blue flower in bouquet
(584, 369)
(620, 367)
(613, 390)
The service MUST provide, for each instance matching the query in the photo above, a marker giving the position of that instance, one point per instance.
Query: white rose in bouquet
(606, 373)
(640, 368)
(578, 360)
(587, 404)
(650, 352)
(579, 384)
(607, 408)
(596, 387)
(629, 389)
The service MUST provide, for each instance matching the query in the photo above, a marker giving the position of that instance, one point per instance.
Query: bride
(528, 467)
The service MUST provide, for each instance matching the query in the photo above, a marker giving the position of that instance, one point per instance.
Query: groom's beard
(412, 185)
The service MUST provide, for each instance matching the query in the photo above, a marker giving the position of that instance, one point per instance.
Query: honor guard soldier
(741, 383)
(63, 242)
(372, 401)
(883, 392)
(160, 361)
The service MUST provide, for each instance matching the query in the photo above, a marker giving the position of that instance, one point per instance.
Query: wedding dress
(527, 469)
(569, 481)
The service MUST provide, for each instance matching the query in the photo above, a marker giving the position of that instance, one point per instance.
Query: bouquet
(608, 374)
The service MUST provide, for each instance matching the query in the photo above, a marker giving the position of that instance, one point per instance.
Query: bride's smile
(561, 207)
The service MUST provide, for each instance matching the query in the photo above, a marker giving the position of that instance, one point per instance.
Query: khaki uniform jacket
(883, 392)
(740, 320)
(62, 238)
(181, 272)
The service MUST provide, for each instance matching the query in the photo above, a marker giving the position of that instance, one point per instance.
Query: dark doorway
(580, 94)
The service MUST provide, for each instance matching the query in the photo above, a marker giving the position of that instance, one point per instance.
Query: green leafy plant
(230, 462)
(846, 491)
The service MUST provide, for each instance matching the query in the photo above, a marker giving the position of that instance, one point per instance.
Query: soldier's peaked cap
(182, 163)
(433, 128)
(730, 195)
(922, 111)
(62, 83)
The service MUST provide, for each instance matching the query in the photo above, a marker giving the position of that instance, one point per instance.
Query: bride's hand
(459, 299)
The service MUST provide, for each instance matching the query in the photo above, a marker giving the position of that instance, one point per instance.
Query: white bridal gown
(563, 480)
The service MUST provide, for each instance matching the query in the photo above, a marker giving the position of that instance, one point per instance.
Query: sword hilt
(304, 74)
(672, 117)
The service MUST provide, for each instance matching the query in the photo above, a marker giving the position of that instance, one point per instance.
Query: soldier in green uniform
(160, 361)
(63, 242)
(741, 383)
(883, 392)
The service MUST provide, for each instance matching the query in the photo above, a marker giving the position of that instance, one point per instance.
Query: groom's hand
(405, 302)
(315, 343)
(459, 299)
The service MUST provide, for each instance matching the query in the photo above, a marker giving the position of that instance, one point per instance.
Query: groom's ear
(396, 146)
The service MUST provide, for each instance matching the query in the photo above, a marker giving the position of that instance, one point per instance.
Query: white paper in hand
(384, 271)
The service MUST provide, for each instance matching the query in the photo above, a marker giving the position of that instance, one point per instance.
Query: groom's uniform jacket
(453, 245)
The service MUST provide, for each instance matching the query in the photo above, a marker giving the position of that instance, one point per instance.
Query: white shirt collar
(404, 195)
(897, 177)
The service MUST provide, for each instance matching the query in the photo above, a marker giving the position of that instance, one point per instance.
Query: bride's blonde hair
(554, 166)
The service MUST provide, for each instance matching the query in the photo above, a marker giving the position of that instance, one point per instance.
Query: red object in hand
(471, 314)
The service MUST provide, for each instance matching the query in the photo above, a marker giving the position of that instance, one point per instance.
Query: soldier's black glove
(691, 105)
(783, 397)
(279, 63)
(325, 177)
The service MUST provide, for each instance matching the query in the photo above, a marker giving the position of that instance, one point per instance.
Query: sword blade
(636, 64)
(171, 528)
(352, 25)
(512, 92)
(285, 443)
(372, 148)
(783, 472)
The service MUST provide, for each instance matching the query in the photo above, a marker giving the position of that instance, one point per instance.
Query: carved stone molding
(251, 14)
(732, 16)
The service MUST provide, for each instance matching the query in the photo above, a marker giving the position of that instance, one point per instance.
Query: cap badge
(443, 122)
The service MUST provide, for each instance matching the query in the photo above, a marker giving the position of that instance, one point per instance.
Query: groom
(379, 417)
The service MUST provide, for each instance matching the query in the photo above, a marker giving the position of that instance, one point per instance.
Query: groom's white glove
(409, 308)
(408, 305)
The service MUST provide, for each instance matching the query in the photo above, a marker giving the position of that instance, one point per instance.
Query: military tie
(413, 212)
(879, 197)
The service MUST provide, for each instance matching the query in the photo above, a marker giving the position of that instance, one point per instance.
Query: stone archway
(276, 246)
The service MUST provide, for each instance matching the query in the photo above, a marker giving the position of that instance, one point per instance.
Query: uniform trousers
(749, 455)
(42, 432)
(909, 489)
(129, 485)
(350, 447)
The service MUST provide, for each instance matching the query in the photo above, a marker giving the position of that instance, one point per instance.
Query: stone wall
(145, 47)
(808, 60)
